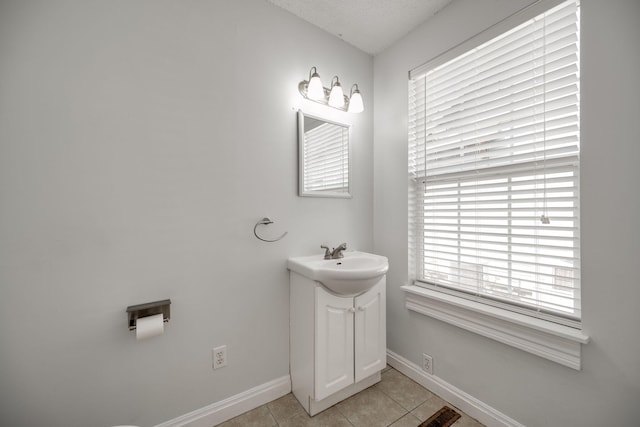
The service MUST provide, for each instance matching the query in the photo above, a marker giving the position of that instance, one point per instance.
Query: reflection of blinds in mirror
(326, 158)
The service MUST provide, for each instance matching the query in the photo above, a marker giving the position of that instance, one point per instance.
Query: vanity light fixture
(355, 100)
(334, 96)
(315, 91)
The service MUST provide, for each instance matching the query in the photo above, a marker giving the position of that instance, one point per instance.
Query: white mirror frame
(301, 157)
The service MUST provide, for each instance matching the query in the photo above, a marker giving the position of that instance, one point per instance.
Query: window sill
(552, 341)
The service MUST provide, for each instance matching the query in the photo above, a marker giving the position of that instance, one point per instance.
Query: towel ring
(266, 221)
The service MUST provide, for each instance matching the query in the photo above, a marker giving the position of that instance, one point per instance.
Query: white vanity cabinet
(338, 342)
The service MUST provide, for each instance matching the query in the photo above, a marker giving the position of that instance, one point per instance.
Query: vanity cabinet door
(370, 331)
(334, 343)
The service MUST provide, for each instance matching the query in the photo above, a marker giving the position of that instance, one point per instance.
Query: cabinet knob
(360, 308)
(352, 310)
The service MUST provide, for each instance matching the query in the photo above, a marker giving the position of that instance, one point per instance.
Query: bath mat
(443, 418)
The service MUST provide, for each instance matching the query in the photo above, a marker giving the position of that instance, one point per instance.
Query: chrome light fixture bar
(313, 90)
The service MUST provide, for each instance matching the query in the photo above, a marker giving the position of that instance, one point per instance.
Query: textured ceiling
(370, 25)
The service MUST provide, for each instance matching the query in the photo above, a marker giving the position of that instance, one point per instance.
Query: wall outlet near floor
(427, 363)
(219, 355)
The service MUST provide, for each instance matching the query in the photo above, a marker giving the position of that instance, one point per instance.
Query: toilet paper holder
(135, 312)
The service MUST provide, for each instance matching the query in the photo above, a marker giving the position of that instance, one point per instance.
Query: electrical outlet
(427, 363)
(219, 355)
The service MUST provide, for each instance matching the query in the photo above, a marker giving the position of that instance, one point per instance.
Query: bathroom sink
(353, 274)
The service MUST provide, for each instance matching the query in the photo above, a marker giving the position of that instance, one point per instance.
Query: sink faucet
(336, 253)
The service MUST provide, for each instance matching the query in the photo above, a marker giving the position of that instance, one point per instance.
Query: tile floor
(396, 401)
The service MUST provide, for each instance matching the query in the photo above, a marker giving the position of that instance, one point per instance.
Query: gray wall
(534, 391)
(140, 141)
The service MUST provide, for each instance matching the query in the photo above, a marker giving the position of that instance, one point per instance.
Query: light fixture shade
(336, 97)
(315, 90)
(355, 102)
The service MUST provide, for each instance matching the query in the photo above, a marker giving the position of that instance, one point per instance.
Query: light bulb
(355, 102)
(336, 97)
(315, 91)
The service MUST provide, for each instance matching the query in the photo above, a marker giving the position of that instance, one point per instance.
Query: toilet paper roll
(147, 327)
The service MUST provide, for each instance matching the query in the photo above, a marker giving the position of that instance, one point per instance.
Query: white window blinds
(493, 167)
(326, 158)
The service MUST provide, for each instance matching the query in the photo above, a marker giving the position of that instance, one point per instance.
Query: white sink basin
(353, 274)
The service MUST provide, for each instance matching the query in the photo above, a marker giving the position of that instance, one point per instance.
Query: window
(494, 170)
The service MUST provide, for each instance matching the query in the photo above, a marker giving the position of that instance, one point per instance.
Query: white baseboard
(465, 402)
(224, 410)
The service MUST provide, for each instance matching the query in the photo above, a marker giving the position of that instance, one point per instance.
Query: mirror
(323, 148)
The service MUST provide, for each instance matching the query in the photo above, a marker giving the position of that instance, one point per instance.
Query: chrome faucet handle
(327, 252)
(337, 252)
